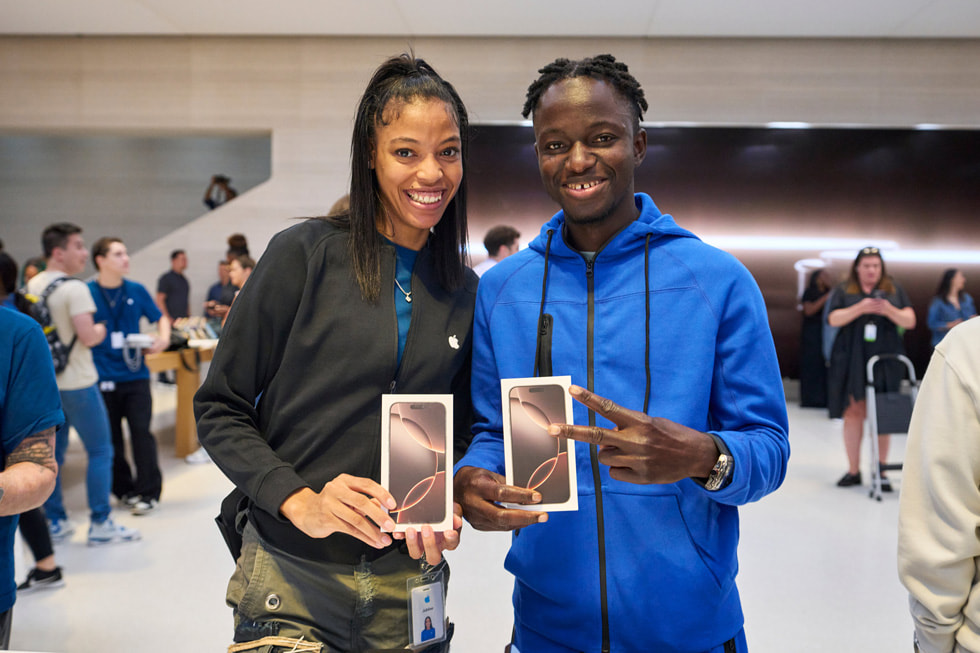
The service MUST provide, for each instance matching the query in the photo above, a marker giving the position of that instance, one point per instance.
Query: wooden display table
(187, 363)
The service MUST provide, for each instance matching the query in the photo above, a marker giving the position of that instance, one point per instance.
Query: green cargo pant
(285, 603)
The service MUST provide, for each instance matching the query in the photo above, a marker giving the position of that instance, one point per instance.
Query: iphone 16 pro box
(534, 459)
(416, 459)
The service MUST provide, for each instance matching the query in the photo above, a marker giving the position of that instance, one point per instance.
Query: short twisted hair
(603, 67)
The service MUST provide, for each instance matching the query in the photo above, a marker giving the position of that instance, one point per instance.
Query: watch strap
(721, 473)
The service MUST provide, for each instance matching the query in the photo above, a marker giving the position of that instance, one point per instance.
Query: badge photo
(426, 615)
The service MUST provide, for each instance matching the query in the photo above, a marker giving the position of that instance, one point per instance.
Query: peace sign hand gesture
(642, 449)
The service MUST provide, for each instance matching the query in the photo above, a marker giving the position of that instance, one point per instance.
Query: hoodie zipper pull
(391, 388)
(588, 268)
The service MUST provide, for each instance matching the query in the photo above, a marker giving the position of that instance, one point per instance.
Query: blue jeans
(85, 410)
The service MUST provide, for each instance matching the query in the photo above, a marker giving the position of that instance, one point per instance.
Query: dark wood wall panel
(918, 188)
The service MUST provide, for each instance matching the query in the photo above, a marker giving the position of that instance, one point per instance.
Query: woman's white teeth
(583, 186)
(425, 198)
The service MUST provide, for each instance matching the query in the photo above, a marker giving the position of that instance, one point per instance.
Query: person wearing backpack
(71, 308)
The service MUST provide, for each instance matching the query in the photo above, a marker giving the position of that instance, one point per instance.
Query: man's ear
(640, 145)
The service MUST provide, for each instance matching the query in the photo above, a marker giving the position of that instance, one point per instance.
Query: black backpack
(37, 307)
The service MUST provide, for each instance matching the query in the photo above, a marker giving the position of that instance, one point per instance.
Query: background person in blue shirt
(123, 376)
(33, 523)
(8, 280)
(30, 411)
(220, 295)
(950, 306)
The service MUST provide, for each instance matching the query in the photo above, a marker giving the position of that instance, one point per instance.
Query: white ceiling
(555, 18)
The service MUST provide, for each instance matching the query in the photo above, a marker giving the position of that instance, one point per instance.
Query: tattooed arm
(30, 473)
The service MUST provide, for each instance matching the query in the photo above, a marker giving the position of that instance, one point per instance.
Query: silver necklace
(115, 298)
(408, 295)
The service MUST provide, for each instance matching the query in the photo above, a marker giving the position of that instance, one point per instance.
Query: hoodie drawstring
(646, 295)
(542, 349)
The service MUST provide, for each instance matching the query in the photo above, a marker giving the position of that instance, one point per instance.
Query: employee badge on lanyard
(426, 609)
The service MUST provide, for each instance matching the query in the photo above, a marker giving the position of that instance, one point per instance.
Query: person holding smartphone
(869, 308)
(338, 312)
(680, 402)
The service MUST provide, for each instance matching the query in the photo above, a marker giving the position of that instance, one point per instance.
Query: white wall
(304, 90)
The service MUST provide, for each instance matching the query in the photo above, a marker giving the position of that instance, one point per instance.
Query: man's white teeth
(583, 186)
(425, 198)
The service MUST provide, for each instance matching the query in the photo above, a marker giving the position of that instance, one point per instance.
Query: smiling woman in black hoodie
(337, 312)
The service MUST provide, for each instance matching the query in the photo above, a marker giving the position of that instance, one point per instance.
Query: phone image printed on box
(535, 459)
(415, 449)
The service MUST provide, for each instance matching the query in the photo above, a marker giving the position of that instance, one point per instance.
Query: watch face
(719, 472)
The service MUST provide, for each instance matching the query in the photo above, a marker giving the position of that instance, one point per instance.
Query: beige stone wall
(303, 91)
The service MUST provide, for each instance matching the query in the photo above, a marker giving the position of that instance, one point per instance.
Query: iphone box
(534, 459)
(416, 459)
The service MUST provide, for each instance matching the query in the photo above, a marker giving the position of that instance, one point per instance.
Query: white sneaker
(198, 457)
(144, 506)
(60, 529)
(109, 532)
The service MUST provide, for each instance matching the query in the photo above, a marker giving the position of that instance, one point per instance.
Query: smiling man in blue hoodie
(680, 399)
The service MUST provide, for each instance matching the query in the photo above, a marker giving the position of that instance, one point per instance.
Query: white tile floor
(817, 566)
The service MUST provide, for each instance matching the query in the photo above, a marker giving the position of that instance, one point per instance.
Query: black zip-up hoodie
(293, 395)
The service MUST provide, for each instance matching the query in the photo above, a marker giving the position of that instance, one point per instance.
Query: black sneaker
(886, 485)
(849, 479)
(144, 506)
(38, 579)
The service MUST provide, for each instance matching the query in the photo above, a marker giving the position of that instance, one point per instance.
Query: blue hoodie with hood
(637, 567)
